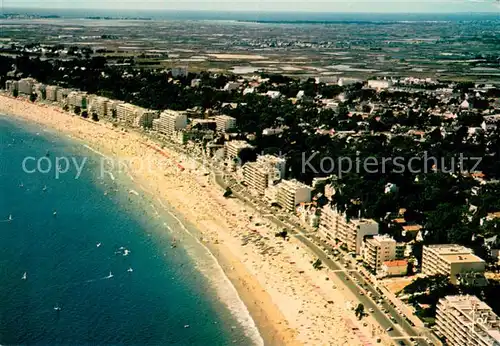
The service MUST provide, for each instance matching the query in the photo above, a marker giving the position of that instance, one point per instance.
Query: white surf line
(248, 318)
(95, 151)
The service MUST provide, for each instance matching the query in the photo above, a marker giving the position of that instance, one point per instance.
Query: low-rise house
(394, 268)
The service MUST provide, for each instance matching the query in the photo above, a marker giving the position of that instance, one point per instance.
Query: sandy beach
(291, 303)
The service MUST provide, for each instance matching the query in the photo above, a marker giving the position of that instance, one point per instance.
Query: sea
(89, 259)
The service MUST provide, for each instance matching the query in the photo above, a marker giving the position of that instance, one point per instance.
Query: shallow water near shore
(102, 255)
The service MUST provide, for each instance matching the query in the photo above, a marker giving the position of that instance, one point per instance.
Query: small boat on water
(44, 188)
(130, 270)
(98, 244)
(10, 218)
(25, 276)
(110, 275)
(57, 308)
(54, 213)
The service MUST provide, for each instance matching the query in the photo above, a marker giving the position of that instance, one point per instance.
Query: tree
(360, 311)
(283, 234)
(95, 117)
(33, 97)
(77, 110)
(318, 264)
(15, 93)
(85, 114)
(65, 108)
(228, 192)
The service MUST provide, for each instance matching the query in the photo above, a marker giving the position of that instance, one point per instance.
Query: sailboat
(25, 276)
(57, 308)
(130, 270)
(109, 276)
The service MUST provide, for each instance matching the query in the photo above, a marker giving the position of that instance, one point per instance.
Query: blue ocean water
(69, 235)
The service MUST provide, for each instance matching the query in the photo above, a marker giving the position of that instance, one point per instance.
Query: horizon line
(241, 11)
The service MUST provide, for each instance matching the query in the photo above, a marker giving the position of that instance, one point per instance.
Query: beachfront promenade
(338, 272)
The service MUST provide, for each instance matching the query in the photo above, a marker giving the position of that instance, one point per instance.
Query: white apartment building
(171, 121)
(267, 170)
(77, 99)
(379, 84)
(224, 123)
(62, 95)
(233, 148)
(377, 250)
(126, 113)
(25, 85)
(334, 225)
(450, 259)
(466, 320)
(39, 89)
(11, 85)
(51, 92)
(99, 105)
(292, 192)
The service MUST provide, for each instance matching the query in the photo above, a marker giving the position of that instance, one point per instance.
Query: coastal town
(416, 249)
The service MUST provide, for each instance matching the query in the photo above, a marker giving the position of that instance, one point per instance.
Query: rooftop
(396, 263)
(462, 258)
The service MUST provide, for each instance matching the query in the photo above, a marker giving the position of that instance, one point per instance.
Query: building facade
(266, 171)
(450, 260)
(292, 192)
(466, 320)
(233, 148)
(224, 123)
(171, 121)
(334, 225)
(377, 250)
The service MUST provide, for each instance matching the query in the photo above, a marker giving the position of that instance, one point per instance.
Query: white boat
(130, 270)
(109, 276)
(44, 188)
(10, 217)
(25, 276)
(98, 244)
(57, 308)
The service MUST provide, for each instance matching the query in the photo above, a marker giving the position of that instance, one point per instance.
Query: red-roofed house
(394, 268)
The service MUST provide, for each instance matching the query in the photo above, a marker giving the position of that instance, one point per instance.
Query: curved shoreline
(285, 296)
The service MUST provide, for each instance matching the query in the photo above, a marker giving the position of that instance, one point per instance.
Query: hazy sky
(273, 5)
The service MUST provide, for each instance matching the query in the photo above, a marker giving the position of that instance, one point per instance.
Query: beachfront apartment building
(99, 105)
(466, 320)
(378, 249)
(25, 85)
(233, 148)
(12, 85)
(51, 92)
(62, 95)
(267, 170)
(171, 121)
(126, 113)
(335, 225)
(450, 260)
(77, 99)
(224, 123)
(290, 193)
